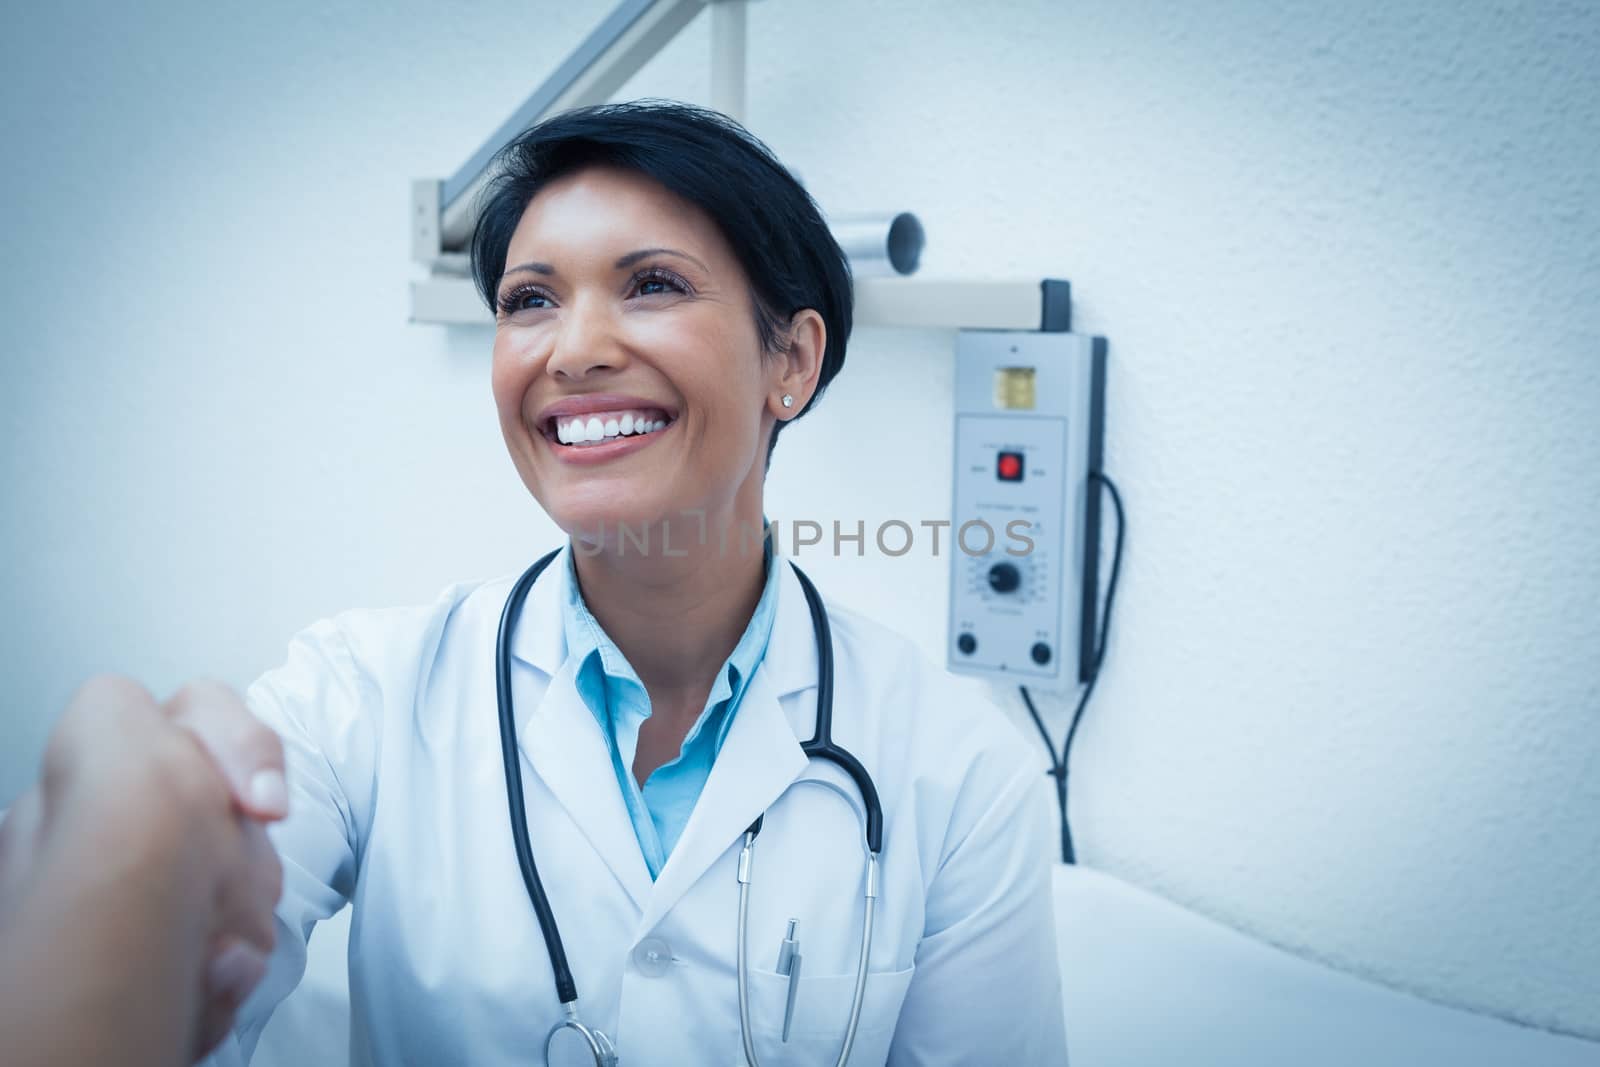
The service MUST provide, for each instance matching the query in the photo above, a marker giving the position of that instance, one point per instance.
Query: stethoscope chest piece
(572, 1044)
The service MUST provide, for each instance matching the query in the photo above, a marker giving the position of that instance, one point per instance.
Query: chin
(604, 515)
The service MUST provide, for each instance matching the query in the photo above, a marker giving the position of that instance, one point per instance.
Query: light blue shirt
(613, 692)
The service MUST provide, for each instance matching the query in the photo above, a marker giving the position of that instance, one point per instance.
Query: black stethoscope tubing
(820, 746)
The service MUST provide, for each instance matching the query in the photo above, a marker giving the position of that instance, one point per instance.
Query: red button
(1009, 467)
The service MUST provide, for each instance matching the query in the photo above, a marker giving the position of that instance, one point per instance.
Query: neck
(676, 605)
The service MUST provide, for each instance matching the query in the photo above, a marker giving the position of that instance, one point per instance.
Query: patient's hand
(136, 880)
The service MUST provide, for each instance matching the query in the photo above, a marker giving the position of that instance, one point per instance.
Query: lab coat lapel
(760, 757)
(560, 737)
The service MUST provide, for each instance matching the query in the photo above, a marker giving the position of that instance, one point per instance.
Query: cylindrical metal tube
(879, 244)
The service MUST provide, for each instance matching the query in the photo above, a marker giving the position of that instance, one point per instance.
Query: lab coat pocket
(822, 1015)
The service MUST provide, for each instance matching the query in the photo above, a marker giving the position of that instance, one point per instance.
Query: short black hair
(772, 224)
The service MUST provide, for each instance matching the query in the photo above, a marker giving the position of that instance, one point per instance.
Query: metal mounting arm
(625, 41)
(442, 212)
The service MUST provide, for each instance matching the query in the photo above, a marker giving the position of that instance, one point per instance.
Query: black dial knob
(967, 644)
(1004, 577)
(1040, 653)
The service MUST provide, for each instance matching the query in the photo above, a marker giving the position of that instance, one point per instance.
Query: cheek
(730, 428)
(719, 399)
(508, 378)
(729, 386)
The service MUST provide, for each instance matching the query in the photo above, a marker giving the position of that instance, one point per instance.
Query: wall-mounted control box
(1025, 526)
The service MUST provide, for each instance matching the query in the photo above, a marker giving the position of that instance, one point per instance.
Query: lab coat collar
(539, 639)
(568, 751)
(760, 758)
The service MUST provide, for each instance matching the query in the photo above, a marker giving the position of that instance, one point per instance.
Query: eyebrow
(626, 261)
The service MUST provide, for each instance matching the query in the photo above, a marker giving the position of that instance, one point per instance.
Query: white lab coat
(398, 806)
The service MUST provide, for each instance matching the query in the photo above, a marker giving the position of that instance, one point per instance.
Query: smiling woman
(667, 298)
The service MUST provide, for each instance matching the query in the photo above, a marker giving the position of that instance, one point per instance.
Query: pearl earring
(788, 401)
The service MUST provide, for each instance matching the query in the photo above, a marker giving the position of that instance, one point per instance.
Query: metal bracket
(908, 303)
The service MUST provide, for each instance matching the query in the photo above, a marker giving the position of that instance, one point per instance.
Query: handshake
(137, 883)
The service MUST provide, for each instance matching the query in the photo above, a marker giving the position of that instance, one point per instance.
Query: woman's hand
(136, 880)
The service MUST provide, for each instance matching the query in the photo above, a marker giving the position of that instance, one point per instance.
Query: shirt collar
(596, 651)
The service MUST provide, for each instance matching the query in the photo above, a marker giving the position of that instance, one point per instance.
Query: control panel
(1024, 572)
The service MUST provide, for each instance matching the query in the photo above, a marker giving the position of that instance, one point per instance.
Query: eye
(524, 298)
(657, 281)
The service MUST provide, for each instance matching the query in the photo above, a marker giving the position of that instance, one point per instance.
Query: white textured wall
(1347, 256)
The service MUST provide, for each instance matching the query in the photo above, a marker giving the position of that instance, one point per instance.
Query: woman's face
(628, 374)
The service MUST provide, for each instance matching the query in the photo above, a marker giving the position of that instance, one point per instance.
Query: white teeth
(602, 426)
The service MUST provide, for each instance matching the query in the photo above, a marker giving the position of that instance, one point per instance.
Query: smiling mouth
(586, 431)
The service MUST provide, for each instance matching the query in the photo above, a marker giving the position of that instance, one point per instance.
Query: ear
(795, 372)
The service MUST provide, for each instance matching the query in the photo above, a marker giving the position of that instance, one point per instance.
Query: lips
(606, 449)
(595, 427)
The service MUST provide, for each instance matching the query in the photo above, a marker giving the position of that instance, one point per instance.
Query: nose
(586, 341)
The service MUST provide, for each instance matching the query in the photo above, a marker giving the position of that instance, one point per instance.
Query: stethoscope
(573, 1041)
